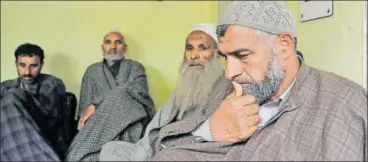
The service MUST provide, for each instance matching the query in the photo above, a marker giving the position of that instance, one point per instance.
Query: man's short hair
(28, 49)
(118, 32)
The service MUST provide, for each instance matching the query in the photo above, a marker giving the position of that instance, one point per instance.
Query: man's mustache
(112, 51)
(28, 76)
(195, 63)
(243, 81)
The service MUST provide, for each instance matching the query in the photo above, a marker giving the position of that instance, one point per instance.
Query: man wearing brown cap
(281, 108)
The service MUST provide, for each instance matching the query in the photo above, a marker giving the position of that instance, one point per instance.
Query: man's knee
(116, 150)
(116, 97)
(107, 148)
(110, 147)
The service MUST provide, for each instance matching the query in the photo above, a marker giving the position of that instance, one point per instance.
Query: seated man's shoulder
(9, 83)
(336, 83)
(339, 92)
(52, 79)
(134, 62)
(94, 66)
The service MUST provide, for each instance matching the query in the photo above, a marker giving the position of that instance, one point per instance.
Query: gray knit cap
(269, 16)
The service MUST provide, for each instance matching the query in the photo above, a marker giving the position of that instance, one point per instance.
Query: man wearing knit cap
(201, 81)
(281, 109)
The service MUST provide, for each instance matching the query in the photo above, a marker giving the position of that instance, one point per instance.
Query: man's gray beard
(195, 85)
(111, 58)
(268, 87)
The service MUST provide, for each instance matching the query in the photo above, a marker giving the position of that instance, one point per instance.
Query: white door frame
(365, 41)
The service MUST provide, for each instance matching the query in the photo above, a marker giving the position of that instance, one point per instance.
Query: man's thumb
(238, 89)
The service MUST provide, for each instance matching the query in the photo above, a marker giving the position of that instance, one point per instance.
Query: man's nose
(194, 55)
(233, 68)
(27, 70)
(113, 46)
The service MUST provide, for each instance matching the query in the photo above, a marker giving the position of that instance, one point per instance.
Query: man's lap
(20, 135)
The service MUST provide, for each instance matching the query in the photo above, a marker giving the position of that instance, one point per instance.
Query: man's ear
(285, 45)
(41, 65)
(126, 48)
(102, 49)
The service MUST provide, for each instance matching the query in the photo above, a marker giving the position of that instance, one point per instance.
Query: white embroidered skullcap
(270, 16)
(208, 28)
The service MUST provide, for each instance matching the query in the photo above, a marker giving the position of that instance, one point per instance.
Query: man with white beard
(201, 82)
(102, 77)
(198, 73)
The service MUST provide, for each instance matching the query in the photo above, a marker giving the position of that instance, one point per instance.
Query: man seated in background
(201, 81)
(114, 71)
(117, 101)
(31, 106)
(282, 109)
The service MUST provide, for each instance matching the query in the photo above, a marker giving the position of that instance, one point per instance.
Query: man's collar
(284, 95)
(281, 99)
(294, 100)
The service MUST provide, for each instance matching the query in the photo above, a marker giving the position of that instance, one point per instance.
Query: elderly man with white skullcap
(201, 81)
(281, 109)
(113, 71)
(115, 103)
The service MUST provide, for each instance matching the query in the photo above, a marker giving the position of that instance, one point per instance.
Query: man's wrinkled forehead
(199, 36)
